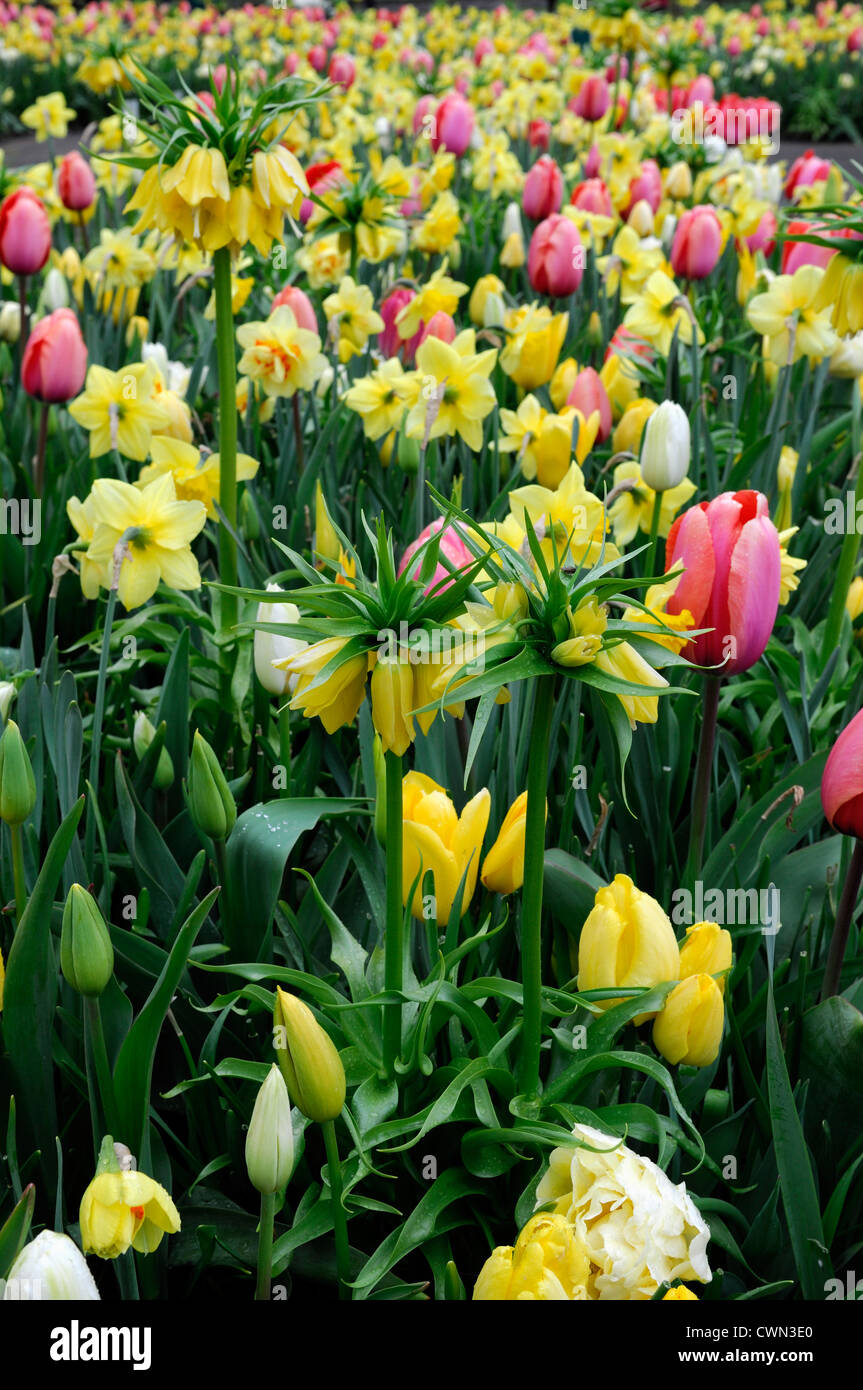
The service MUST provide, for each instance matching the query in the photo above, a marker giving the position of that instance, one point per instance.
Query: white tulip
(50, 1268)
(270, 1139)
(7, 695)
(666, 446)
(271, 646)
(55, 291)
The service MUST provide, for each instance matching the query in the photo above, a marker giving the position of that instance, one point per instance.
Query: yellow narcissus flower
(452, 393)
(334, 697)
(630, 264)
(49, 116)
(119, 262)
(265, 405)
(706, 950)
(533, 347)
(439, 230)
(689, 1028)
(119, 1210)
(569, 512)
(378, 398)
(323, 261)
(623, 661)
(656, 618)
(438, 840)
(280, 355)
(790, 565)
(119, 410)
(619, 376)
(562, 382)
(628, 432)
(544, 442)
(162, 527)
(503, 866)
(548, 1263)
(440, 294)
(790, 307)
(196, 476)
(82, 516)
(352, 312)
(633, 509)
(626, 940)
(657, 312)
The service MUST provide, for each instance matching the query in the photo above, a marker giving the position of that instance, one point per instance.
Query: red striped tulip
(454, 123)
(697, 243)
(555, 259)
(25, 232)
(588, 395)
(730, 552)
(842, 780)
(543, 190)
(593, 99)
(75, 182)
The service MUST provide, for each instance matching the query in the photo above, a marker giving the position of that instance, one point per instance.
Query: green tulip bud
(249, 522)
(210, 801)
(408, 454)
(308, 1058)
(142, 736)
(270, 1138)
(17, 783)
(86, 953)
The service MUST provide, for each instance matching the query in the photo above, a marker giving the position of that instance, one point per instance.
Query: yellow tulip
(392, 700)
(485, 307)
(854, 598)
(627, 434)
(706, 950)
(689, 1029)
(122, 1209)
(308, 1058)
(438, 840)
(562, 382)
(679, 1295)
(532, 350)
(548, 1263)
(503, 866)
(626, 940)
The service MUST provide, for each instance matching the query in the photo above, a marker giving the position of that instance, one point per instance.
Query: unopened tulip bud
(10, 322)
(86, 953)
(270, 1138)
(308, 1058)
(143, 734)
(17, 783)
(486, 305)
(503, 867)
(211, 804)
(641, 218)
(55, 290)
(689, 1029)
(7, 695)
(272, 646)
(627, 940)
(706, 950)
(666, 447)
(678, 181)
(50, 1268)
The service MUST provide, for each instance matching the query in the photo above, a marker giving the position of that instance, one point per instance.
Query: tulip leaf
(30, 995)
(346, 952)
(831, 1058)
(569, 889)
(134, 1067)
(257, 851)
(155, 865)
(14, 1231)
(796, 1180)
(424, 1221)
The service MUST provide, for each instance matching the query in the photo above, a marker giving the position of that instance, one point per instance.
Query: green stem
(531, 901)
(98, 718)
(844, 575)
(654, 532)
(340, 1218)
(703, 772)
(227, 435)
(285, 746)
(298, 434)
(265, 1247)
(18, 872)
(844, 913)
(127, 1276)
(25, 316)
(395, 923)
(101, 1065)
(39, 466)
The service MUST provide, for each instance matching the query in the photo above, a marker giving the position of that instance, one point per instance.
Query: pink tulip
(25, 232)
(854, 41)
(440, 325)
(75, 182)
(797, 253)
(317, 56)
(391, 345)
(421, 111)
(543, 190)
(731, 556)
(592, 196)
(593, 99)
(555, 258)
(483, 47)
(454, 123)
(451, 546)
(701, 89)
(587, 395)
(593, 163)
(697, 243)
(646, 185)
(764, 236)
(842, 780)
(300, 305)
(342, 70)
(808, 168)
(734, 46)
(55, 358)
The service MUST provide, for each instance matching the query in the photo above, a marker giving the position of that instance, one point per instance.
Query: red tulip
(697, 243)
(454, 123)
(854, 41)
(808, 168)
(731, 556)
(592, 196)
(342, 70)
(543, 190)
(539, 135)
(592, 99)
(300, 304)
(25, 232)
(75, 182)
(842, 780)
(55, 358)
(587, 395)
(555, 258)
